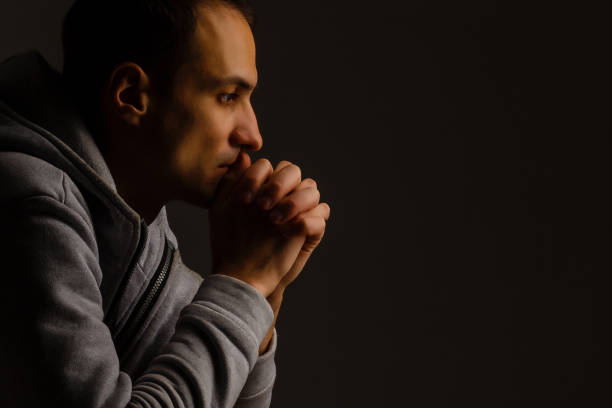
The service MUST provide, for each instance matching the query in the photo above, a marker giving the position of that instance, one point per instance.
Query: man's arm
(57, 351)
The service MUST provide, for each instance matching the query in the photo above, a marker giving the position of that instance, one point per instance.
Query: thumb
(229, 179)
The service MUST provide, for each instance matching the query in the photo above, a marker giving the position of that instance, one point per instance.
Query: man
(98, 309)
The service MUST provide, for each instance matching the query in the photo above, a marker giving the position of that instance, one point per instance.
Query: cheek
(177, 121)
(197, 130)
(201, 144)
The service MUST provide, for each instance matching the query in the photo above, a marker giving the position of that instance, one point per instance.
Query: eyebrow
(233, 80)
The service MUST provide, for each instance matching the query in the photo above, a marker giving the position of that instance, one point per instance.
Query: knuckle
(316, 227)
(317, 230)
(296, 169)
(322, 224)
(283, 163)
(265, 163)
(268, 166)
(273, 187)
(310, 182)
(289, 206)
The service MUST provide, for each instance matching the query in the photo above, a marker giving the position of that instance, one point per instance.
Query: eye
(228, 97)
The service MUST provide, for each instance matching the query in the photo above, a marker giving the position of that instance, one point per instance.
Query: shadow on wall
(33, 24)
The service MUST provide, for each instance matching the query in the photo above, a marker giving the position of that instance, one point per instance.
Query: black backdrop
(463, 148)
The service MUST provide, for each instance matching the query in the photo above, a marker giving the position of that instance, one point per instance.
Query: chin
(200, 194)
(200, 185)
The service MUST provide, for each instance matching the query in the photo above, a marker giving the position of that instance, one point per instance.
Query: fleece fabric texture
(80, 327)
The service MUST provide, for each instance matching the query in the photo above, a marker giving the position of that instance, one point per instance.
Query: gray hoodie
(97, 308)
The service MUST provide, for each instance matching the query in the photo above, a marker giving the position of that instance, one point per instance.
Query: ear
(129, 92)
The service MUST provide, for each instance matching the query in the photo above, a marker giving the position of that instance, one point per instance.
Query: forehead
(224, 44)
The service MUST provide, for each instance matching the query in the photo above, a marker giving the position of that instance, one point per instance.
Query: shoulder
(23, 176)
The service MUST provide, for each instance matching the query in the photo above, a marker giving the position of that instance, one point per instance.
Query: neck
(138, 181)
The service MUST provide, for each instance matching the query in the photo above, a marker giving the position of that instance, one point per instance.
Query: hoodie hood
(38, 119)
(32, 89)
(32, 95)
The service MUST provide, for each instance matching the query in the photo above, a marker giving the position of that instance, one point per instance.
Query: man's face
(208, 118)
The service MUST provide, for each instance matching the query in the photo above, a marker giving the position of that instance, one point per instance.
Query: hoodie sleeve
(57, 351)
(257, 392)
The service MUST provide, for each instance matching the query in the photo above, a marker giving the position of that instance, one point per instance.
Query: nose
(246, 134)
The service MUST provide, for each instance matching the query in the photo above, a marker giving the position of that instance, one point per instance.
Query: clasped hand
(265, 222)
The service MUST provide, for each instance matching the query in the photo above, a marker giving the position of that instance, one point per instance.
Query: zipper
(110, 318)
(147, 300)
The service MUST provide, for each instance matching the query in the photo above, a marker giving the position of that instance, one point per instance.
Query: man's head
(149, 76)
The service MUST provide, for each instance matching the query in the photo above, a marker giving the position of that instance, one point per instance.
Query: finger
(313, 227)
(285, 209)
(297, 202)
(252, 179)
(278, 185)
(321, 210)
(306, 183)
(295, 226)
(229, 179)
(282, 164)
(325, 210)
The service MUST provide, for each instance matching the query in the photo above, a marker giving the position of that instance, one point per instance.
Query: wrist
(262, 289)
(265, 344)
(276, 299)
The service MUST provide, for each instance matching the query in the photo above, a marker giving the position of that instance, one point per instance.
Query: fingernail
(265, 202)
(276, 216)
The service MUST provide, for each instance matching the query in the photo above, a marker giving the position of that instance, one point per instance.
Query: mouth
(229, 164)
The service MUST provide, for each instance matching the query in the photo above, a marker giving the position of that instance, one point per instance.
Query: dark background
(464, 150)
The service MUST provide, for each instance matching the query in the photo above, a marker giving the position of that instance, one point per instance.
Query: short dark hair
(97, 35)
